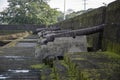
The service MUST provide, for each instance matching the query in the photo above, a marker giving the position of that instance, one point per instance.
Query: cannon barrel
(74, 33)
(44, 33)
(79, 32)
(48, 29)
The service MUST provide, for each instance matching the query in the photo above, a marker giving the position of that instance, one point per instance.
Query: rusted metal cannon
(73, 33)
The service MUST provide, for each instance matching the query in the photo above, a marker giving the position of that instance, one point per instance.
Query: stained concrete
(62, 45)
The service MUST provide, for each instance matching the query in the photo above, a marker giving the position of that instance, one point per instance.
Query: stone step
(32, 37)
(92, 66)
(20, 75)
(18, 51)
(97, 63)
(17, 62)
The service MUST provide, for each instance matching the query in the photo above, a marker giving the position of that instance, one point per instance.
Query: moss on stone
(111, 46)
(38, 66)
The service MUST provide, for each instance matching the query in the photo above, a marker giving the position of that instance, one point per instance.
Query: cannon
(74, 33)
(44, 33)
(47, 29)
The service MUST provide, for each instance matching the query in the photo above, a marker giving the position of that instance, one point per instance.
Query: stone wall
(109, 39)
(111, 36)
(88, 19)
(19, 28)
(61, 46)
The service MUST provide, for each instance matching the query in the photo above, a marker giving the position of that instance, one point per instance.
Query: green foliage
(71, 15)
(49, 61)
(60, 16)
(112, 55)
(38, 66)
(111, 46)
(29, 12)
(56, 76)
(72, 69)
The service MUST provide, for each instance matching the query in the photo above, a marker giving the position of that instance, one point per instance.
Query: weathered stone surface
(111, 36)
(89, 66)
(62, 45)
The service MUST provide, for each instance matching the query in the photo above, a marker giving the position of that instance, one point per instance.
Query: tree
(70, 11)
(29, 12)
(60, 16)
(73, 13)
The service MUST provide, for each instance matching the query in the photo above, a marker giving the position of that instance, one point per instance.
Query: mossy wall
(88, 19)
(111, 36)
(109, 39)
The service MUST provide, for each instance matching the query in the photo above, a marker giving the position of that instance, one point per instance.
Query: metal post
(84, 4)
(64, 9)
